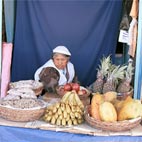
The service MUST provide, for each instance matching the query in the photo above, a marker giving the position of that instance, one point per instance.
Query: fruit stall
(110, 109)
(72, 111)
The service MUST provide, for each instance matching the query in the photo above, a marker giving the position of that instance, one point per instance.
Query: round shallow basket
(111, 126)
(60, 91)
(84, 96)
(22, 115)
(123, 96)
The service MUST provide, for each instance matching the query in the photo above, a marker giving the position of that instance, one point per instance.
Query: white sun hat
(62, 50)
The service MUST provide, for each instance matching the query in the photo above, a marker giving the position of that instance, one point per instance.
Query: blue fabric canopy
(88, 28)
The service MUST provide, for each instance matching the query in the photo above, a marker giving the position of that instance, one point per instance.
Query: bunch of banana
(69, 111)
(72, 98)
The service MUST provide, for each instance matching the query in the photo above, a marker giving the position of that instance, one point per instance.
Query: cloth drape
(17, 134)
(89, 29)
(133, 30)
(6, 67)
(9, 14)
(7, 46)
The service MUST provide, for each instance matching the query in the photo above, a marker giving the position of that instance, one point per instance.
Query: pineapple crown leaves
(105, 65)
(129, 71)
(112, 67)
(117, 73)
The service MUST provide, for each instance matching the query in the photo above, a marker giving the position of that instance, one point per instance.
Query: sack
(49, 76)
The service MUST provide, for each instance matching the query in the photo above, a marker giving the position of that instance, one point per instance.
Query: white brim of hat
(62, 50)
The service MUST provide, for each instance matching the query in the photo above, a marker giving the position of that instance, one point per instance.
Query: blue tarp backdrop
(88, 28)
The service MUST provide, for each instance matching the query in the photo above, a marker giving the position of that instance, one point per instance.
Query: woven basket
(22, 115)
(110, 126)
(61, 92)
(123, 96)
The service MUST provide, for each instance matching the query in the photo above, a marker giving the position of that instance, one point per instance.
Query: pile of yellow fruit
(106, 107)
(69, 111)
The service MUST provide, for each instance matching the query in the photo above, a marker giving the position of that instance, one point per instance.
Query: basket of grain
(22, 110)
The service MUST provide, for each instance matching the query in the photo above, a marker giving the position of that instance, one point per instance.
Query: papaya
(110, 96)
(118, 104)
(130, 110)
(97, 99)
(107, 112)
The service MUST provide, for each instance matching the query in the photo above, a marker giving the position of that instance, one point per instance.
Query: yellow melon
(130, 110)
(110, 96)
(118, 104)
(97, 99)
(107, 112)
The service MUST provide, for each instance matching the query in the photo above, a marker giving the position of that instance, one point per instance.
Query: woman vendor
(56, 71)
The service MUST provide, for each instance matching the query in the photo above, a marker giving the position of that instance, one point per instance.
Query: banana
(68, 109)
(65, 97)
(74, 100)
(79, 102)
(70, 99)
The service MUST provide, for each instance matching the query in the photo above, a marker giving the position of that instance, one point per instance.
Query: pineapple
(125, 86)
(101, 73)
(114, 74)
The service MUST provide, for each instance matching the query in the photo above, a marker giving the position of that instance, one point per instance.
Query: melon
(107, 112)
(110, 96)
(97, 99)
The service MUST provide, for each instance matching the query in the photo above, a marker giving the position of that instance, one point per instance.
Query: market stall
(21, 111)
(40, 130)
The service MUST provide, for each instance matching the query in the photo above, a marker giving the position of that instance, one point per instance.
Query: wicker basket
(22, 115)
(61, 92)
(123, 96)
(110, 126)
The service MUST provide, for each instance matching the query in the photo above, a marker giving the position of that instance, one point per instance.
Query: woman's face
(60, 60)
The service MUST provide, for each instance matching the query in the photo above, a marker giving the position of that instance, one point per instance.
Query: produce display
(21, 98)
(69, 111)
(106, 107)
(80, 90)
(21, 103)
(111, 77)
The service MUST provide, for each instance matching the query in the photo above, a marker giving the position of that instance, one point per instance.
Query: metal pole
(138, 71)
